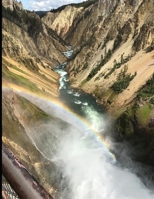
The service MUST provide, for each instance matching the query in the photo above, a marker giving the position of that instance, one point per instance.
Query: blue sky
(45, 5)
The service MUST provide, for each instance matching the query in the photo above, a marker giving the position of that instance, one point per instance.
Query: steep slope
(30, 50)
(22, 115)
(64, 17)
(113, 59)
(110, 38)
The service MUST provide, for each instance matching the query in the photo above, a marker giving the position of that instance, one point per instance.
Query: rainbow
(56, 103)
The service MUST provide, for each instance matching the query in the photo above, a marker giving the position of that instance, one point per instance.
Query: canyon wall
(113, 59)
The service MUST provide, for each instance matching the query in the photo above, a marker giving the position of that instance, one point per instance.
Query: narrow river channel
(82, 153)
(90, 170)
(77, 100)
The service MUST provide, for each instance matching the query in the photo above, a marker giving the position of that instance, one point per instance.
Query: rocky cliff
(22, 115)
(108, 36)
(113, 58)
(30, 50)
(11, 4)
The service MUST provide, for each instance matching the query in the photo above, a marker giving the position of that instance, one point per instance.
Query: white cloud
(47, 5)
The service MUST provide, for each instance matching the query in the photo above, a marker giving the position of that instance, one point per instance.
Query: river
(82, 151)
(77, 100)
(89, 169)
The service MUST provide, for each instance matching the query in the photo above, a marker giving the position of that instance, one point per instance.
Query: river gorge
(78, 99)
(89, 162)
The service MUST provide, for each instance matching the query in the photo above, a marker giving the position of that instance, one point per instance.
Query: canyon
(113, 60)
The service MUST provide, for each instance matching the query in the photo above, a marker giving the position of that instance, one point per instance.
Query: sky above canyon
(46, 5)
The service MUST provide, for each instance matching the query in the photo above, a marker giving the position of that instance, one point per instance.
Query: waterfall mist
(85, 167)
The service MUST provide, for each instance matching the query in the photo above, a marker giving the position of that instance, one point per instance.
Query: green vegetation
(137, 116)
(41, 13)
(132, 121)
(97, 92)
(12, 15)
(112, 97)
(26, 20)
(16, 137)
(30, 67)
(83, 82)
(117, 42)
(85, 65)
(84, 4)
(6, 63)
(150, 48)
(35, 113)
(135, 33)
(107, 38)
(151, 100)
(34, 26)
(98, 67)
(107, 56)
(97, 78)
(147, 91)
(123, 81)
(117, 65)
(143, 114)
(18, 80)
(141, 38)
(124, 124)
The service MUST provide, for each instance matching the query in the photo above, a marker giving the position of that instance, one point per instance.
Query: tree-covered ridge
(28, 21)
(123, 81)
(84, 4)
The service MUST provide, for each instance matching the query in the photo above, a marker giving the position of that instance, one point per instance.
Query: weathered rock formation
(30, 50)
(11, 4)
(113, 57)
(113, 60)
(103, 33)
(110, 37)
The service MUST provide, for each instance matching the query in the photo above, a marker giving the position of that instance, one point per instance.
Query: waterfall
(81, 146)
